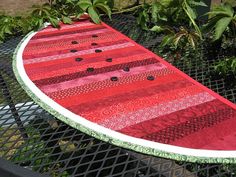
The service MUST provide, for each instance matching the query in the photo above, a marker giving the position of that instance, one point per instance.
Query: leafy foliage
(93, 7)
(230, 2)
(226, 67)
(43, 13)
(222, 20)
(181, 38)
(8, 26)
(66, 9)
(228, 43)
(173, 18)
(54, 11)
(176, 13)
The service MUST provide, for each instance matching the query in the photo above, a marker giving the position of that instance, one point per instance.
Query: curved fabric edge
(128, 142)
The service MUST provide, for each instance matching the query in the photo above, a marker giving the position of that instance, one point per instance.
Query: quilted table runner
(99, 81)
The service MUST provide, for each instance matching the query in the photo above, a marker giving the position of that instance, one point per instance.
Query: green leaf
(177, 39)
(191, 41)
(211, 24)
(99, 1)
(234, 17)
(221, 26)
(186, 9)
(46, 12)
(167, 40)
(155, 9)
(200, 3)
(157, 28)
(7, 30)
(86, 1)
(192, 14)
(104, 8)
(163, 18)
(79, 15)
(142, 20)
(66, 20)
(224, 10)
(54, 22)
(84, 5)
(166, 3)
(2, 37)
(233, 64)
(38, 23)
(94, 15)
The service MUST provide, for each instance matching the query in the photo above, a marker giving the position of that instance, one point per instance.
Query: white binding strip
(110, 133)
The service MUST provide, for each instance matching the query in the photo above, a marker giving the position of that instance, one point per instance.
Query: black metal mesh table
(33, 139)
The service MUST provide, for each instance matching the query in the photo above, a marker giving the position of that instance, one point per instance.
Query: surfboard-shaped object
(99, 81)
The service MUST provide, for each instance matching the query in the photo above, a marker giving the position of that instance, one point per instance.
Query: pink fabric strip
(46, 49)
(106, 84)
(76, 54)
(67, 32)
(63, 42)
(96, 62)
(90, 58)
(124, 120)
(68, 36)
(63, 27)
(99, 77)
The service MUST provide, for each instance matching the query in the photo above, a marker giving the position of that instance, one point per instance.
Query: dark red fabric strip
(159, 124)
(70, 31)
(95, 71)
(193, 125)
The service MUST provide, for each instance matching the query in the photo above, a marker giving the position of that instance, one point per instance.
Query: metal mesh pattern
(32, 138)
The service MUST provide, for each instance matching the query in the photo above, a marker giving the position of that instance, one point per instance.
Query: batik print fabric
(104, 77)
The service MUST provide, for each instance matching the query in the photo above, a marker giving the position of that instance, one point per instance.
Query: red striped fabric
(103, 76)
